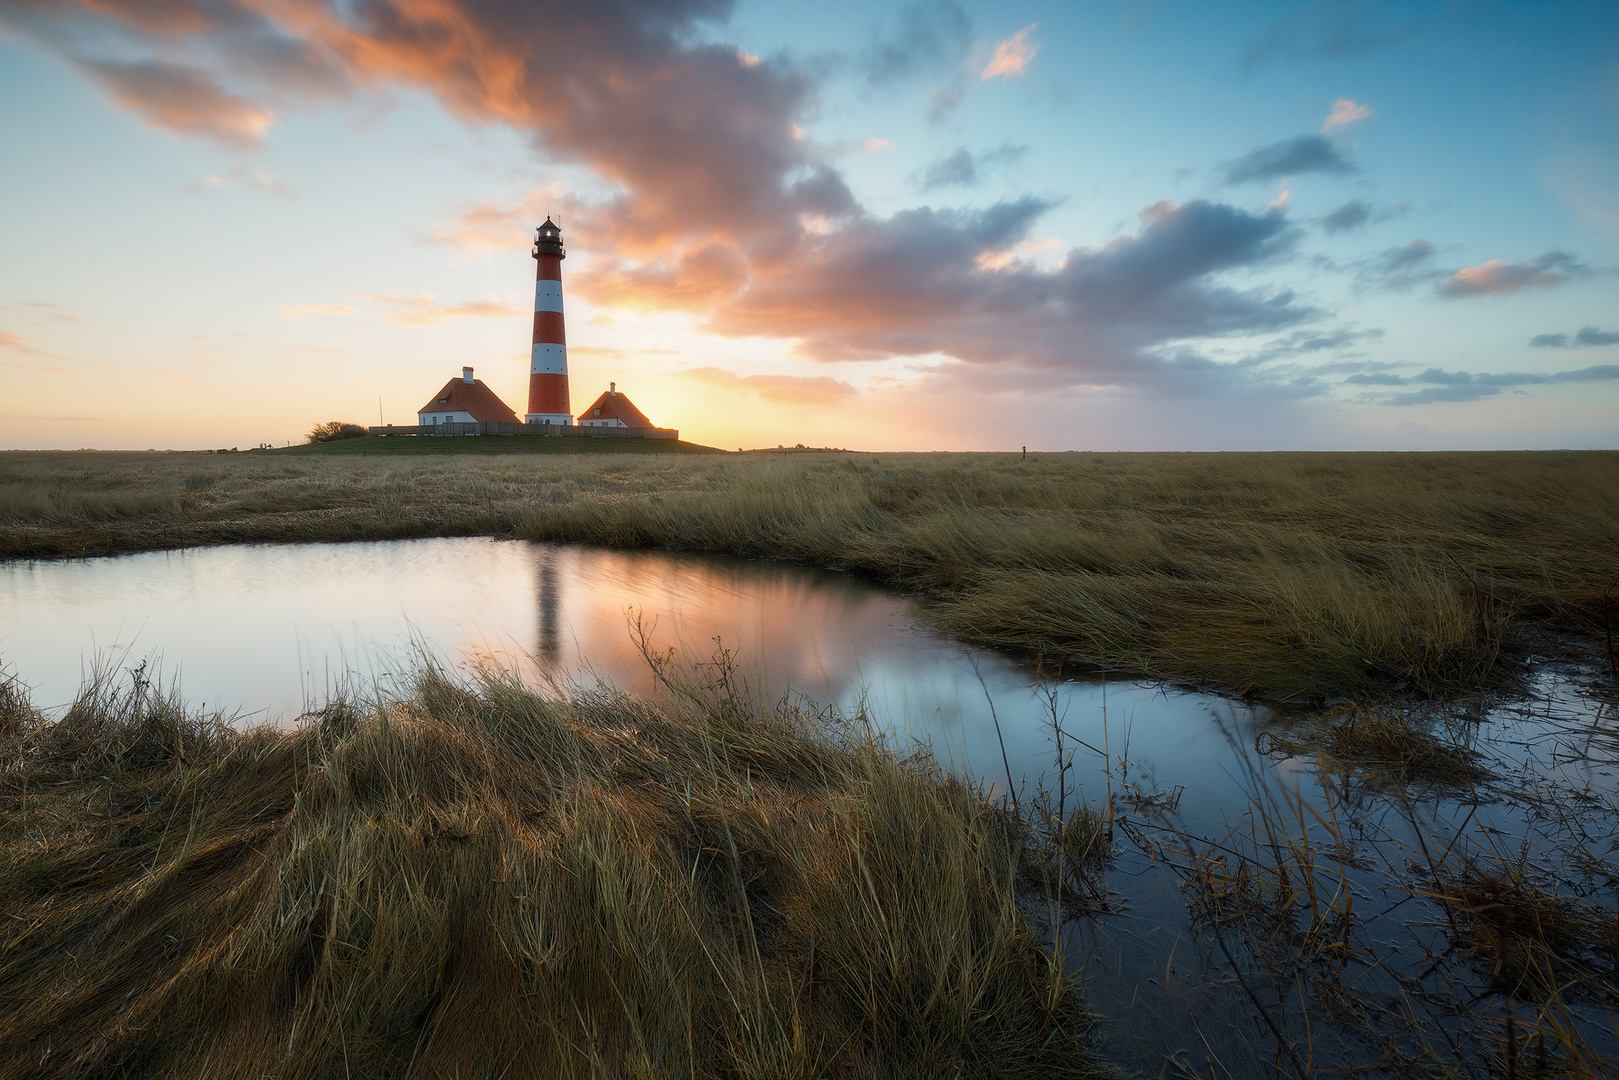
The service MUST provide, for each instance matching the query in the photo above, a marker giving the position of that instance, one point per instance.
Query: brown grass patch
(477, 880)
(1284, 575)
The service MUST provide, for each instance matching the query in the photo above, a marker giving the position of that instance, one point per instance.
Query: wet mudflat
(1271, 890)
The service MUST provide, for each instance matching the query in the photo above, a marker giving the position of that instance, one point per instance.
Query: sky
(1331, 225)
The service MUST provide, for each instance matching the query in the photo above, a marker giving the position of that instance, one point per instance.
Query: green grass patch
(493, 444)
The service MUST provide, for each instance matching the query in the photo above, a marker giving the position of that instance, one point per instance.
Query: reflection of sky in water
(268, 627)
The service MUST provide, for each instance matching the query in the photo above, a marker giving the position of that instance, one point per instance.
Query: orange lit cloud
(1028, 249)
(1498, 278)
(713, 199)
(298, 311)
(168, 17)
(182, 99)
(695, 281)
(9, 340)
(1345, 112)
(785, 389)
(1012, 56)
(485, 227)
(424, 310)
(39, 309)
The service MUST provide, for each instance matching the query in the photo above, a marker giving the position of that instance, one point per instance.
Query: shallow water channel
(265, 631)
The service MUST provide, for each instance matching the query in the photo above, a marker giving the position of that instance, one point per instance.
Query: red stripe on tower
(548, 368)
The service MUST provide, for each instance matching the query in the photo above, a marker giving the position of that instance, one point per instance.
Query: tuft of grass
(1534, 941)
(1288, 576)
(1385, 743)
(474, 879)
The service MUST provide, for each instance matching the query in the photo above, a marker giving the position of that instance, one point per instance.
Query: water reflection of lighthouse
(547, 646)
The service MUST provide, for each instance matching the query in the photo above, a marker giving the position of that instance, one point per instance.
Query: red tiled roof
(616, 405)
(471, 397)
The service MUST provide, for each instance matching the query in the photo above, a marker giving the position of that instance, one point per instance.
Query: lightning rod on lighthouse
(548, 366)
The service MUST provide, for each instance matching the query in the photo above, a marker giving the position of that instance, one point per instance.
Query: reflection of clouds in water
(787, 627)
(317, 617)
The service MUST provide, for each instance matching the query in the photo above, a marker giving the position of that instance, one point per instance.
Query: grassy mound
(495, 444)
(478, 880)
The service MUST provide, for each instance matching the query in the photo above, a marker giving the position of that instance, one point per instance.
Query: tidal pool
(266, 631)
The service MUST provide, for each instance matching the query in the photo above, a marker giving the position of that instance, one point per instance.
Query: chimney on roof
(466, 374)
(612, 389)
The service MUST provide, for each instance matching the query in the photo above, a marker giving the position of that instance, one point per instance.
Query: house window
(595, 412)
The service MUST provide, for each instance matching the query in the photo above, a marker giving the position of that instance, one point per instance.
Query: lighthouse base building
(465, 401)
(613, 409)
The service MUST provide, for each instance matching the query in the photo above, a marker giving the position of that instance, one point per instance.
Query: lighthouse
(548, 367)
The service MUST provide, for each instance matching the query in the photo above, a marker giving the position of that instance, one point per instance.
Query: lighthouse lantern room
(548, 367)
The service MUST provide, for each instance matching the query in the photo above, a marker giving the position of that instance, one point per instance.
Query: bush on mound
(333, 430)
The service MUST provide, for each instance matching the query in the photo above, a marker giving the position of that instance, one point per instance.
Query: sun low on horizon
(938, 226)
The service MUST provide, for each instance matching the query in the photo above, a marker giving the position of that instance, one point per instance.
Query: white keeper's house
(613, 409)
(465, 401)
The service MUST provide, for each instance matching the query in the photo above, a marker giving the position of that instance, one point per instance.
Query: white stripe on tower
(548, 363)
(548, 296)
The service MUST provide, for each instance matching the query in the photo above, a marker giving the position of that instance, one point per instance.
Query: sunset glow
(941, 226)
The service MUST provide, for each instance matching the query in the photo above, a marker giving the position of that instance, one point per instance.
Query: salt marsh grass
(469, 878)
(1282, 575)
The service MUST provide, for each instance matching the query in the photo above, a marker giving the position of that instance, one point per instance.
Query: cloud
(925, 37)
(12, 341)
(1328, 30)
(1351, 216)
(298, 311)
(1399, 269)
(785, 389)
(960, 168)
(709, 199)
(1587, 335)
(41, 309)
(1590, 335)
(695, 280)
(1498, 278)
(1345, 112)
(1290, 157)
(424, 310)
(184, 100)
(259, 180)
(914, 285)
(945, 99)
(1462, 386)
(488, 227)
(1304, 342)
(1012, 56)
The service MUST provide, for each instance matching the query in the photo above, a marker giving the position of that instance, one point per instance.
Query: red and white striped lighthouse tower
(548, 368)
